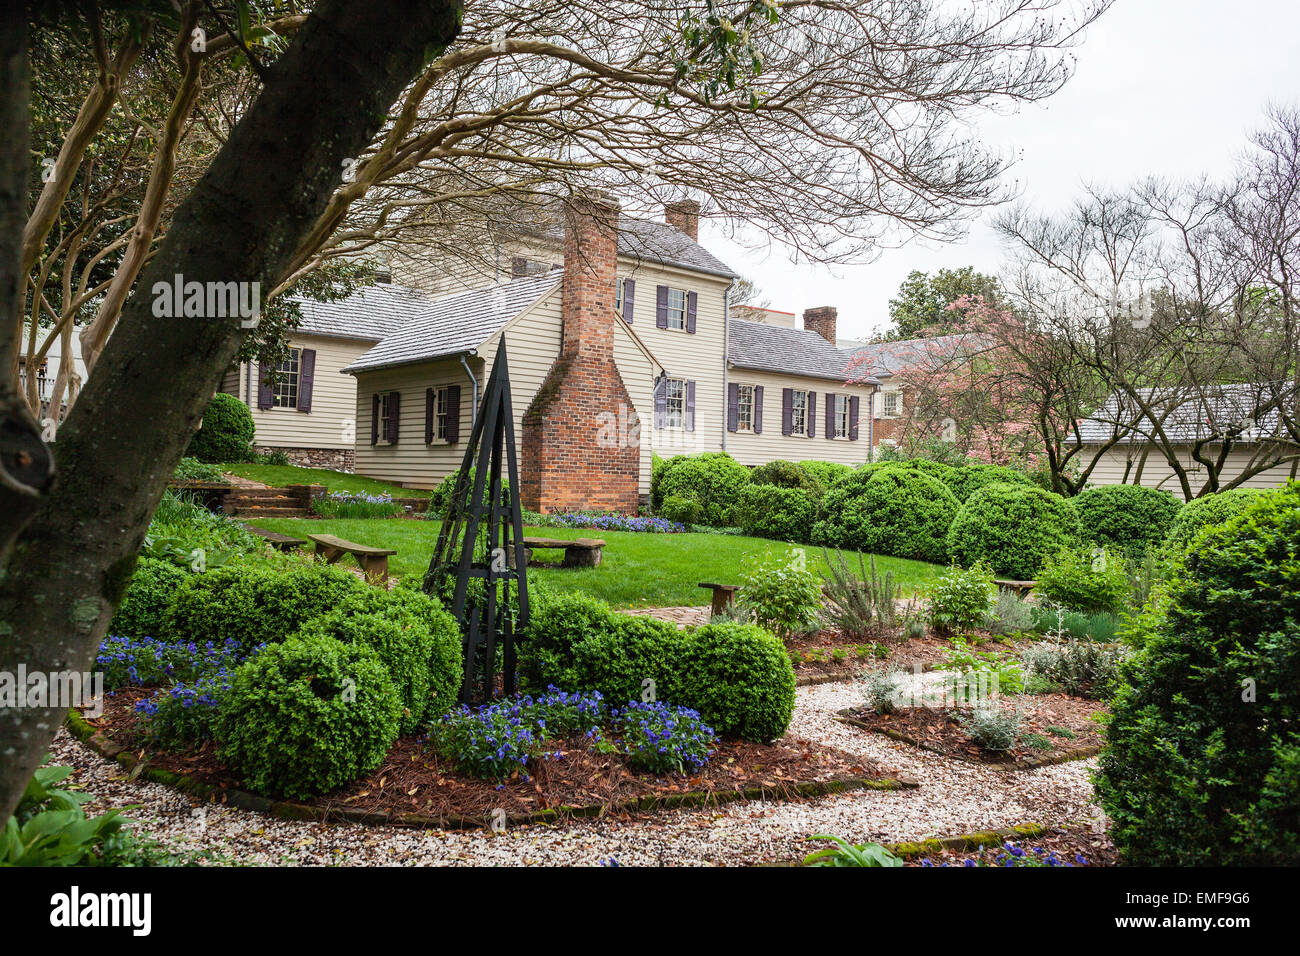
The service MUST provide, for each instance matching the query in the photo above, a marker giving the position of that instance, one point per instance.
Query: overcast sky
(1165, 87)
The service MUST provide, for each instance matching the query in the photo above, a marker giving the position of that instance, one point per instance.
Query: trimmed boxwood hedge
(153, 584)
(970, 478)
(714, 479)
(889, 509)
(737, 676)
(307, 716)
(1127, 518)
(226, 433)
(1207, 510)
(824, 471)
(770, 511)
(1202, 765)
(1012, 528)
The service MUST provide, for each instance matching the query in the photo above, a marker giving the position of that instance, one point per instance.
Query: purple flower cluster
(613, 522)
(185, 712)
(664, 739)
(147, 661)
(1015, 855)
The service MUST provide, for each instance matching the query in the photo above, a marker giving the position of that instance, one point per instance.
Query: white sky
(1162, 87)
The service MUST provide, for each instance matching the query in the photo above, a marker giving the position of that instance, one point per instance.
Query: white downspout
(726, 352)
(473, 409)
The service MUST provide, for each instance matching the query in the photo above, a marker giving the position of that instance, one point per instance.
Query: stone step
(269, 511)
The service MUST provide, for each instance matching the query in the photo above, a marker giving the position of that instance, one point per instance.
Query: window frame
(744, 405)
(385, 409)
(288, 381)
(841, 417)
(891, 397)
(440, 396)
(798, 413)
(671, 310)
(668, 403)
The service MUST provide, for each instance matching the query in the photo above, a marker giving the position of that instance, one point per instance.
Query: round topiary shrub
(713, 479)
(832, 528)
(970, 478)
(786, 474)
(1202, 765)
(1207, 510)
(770, 511)
(898, 511)
(255, 603)
(152, 587)
(307, 716)
(685, 511)
(226, 432)
(1012, 528)
(824, 471)
(740, 679)
(1127, 518)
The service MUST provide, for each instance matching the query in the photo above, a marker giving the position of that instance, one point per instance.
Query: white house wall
(1157, 473)
(750, 448)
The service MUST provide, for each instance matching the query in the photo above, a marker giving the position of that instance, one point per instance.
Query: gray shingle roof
(369, 313)
(1192, 417)
(457, 323)
(776, 348)
(651, 241)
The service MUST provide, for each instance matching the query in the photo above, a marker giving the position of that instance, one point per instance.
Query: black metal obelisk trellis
(481, 539)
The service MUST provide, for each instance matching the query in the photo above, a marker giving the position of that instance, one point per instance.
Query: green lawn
(280, 475)
(637, 569)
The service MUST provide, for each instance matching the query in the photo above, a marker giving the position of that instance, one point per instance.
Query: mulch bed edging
(967, 841)
(290, 810)
(1029, 763)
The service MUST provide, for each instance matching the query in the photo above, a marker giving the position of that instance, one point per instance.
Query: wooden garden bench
(724, 595)
(579, 553)
(373, 561)
(1022, 588)
(281, 542)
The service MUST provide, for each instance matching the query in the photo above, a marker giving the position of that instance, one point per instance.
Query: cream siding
(1156, 473)
(751, 448)
(333, 399)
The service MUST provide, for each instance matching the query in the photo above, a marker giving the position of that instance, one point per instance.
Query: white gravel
(954, 797)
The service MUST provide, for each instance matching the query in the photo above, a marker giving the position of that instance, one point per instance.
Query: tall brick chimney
(822, 321)
(684, 214)
(580, 447)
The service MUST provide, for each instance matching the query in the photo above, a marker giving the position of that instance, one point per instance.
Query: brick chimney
(822, 321)
(580, 447)
(684, 215)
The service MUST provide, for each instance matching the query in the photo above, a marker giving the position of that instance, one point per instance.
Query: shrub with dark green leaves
(1088, 582)
(1128, 518)
(226, 433)
(685, 511)
(714, 479)
(739, 678)
(787, 474)
(1202, 765)
(888, 509)
(783, 594)
(255, 603)
(824, 471)
(191, 469)
(441, 495)
(971, 477)
(781, 514)
(1012, 528)
(1207, 510)
(307, 716)
(152, 587)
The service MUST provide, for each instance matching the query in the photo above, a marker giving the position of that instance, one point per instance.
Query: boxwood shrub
(970, 478)
(307, 716)
(824, 471)
(1012, 528)
(897, 510)
(770, 511)
(1127, 518)
(1202, 765)
(1087, 582)
(1207, 510)
(788, 474)
(152, 586)
(735, 675)
(714, 479)
(226, 433)
(255, 603)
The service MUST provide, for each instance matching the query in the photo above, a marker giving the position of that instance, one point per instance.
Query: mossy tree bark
(323, 101)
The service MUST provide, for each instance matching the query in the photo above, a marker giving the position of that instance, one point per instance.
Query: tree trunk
(323, 101)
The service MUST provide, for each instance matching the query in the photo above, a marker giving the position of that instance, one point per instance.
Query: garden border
(1032, 763)
(288, 810)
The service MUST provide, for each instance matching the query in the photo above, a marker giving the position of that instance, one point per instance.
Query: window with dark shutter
(661, 403)
(758, 409)
(394, 415)
(374, 419)
(690, 406)
(853, 418)
(661, 307)
(787, 410)
(453, 414)
(733, 407)
(306, 378)
(429, 399)
(692, 302)
(811, 417)
(265, 392)
(830, 416)
(629, 299)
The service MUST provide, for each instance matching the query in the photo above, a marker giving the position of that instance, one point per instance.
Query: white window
(745, 408)
(440, 414)
(799, 413)
(676, 309)
(889, 404)
(385, 416)
(674, 403)
(618, 296)
(841, 416)
(286, 380)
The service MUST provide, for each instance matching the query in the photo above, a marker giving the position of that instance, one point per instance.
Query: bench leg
(375, 568)
(721, 601)
(581, 558)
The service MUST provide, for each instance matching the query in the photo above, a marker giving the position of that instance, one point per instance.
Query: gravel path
(954, 797)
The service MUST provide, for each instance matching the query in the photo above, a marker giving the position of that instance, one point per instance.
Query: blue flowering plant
(603, 521)
(184, 713)
(149, 662)
(1013, 854)
(662, 739)
(494, 741)
(343, 504)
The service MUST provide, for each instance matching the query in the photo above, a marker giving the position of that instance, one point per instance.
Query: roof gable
(777, 348)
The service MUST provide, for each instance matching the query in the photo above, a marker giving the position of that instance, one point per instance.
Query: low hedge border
(1030, 763)
(289, 810)
(966, 842)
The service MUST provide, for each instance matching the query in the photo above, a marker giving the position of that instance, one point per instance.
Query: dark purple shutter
(830, 414)
(429, 400)
(787, 410)
(810, 414)
(394, 415)
(629, 296)
(265, 396)
(853, 418)
(733, 407)
(758, 409)
(692, 301)
(374, 419)
(690, 406)
(453, 414)
(306, 378)
(661, 307)
(661, 403)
